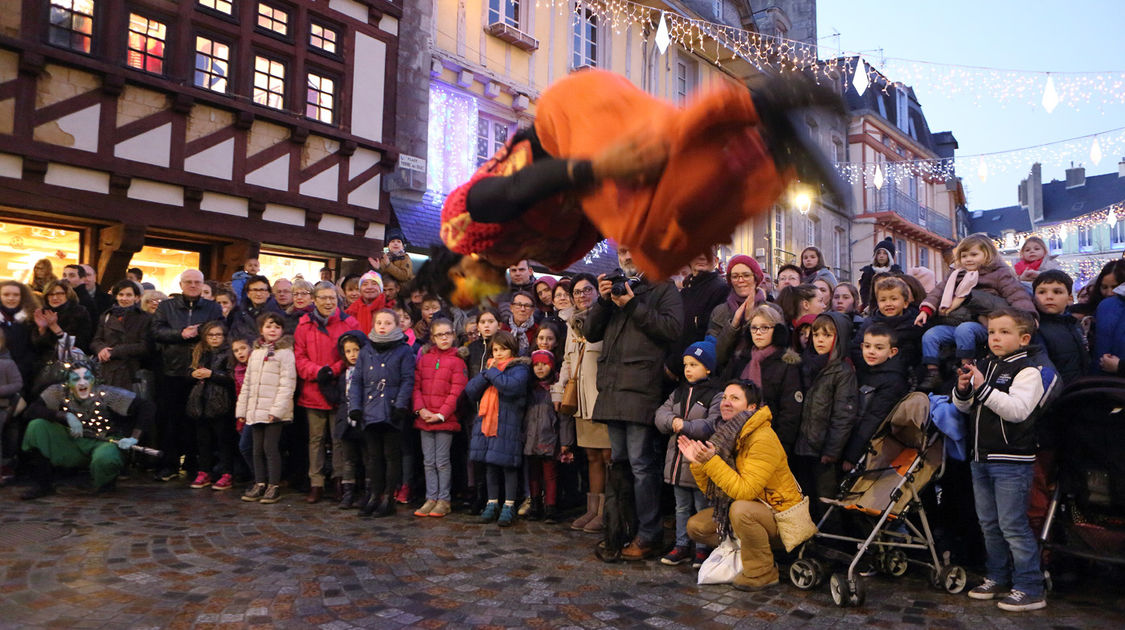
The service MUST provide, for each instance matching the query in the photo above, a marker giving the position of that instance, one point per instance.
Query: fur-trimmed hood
(286, 342)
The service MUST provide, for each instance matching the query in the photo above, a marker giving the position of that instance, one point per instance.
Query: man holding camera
(636, 320)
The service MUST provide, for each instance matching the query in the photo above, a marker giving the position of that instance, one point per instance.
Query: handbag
(569, 404)
(723, 565)
(795, 525)
(204, 402)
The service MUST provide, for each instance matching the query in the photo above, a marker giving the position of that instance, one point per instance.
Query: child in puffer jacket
(345, 430)
(265, 403)
(439, 379)
(691, 410)
(548, 435)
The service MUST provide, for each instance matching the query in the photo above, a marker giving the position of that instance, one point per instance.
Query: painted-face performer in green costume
(81, 423)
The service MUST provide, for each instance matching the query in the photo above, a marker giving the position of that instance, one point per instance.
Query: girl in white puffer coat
(265, 403)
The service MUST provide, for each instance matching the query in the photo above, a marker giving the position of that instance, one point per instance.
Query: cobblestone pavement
(154, 555)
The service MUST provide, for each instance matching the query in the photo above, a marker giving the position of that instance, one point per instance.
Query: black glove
(356, 414)
(401, 416)
(324, 376)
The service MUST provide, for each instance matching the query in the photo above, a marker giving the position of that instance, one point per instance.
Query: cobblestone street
(164, 556)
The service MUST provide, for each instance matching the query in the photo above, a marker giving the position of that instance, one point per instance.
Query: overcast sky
(1078, 35)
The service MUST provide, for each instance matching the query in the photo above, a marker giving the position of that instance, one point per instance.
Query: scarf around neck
(957, 288)
(490, 402)
(390, 337)
(1022, 266)
(725, 440)
(520, 332)
(753, 371)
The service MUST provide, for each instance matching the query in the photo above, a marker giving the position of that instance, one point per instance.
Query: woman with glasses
(744, 274)
(521, 322)
(775, 368)
(580, 362)
(61, 315)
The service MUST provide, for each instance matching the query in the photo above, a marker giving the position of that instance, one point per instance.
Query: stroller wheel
(953, 579)
(894, 563)
(847, 593)
(804, 574)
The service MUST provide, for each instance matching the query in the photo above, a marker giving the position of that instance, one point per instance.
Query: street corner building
(170, 135)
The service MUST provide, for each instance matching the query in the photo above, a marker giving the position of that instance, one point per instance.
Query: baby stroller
(1086, 515)
(905, 454)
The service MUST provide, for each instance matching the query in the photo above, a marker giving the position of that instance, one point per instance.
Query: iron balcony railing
(890, 199)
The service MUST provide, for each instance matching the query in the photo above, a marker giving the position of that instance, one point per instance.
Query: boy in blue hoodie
(1059, 332)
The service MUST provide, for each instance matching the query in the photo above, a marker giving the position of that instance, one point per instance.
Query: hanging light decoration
(878, 179)
(1050, 95)
(982, 171)
(859, 77)
(1095, 152)
(1111, 218)
(663, 39)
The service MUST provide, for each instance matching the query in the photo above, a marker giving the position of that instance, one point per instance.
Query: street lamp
(802, 201)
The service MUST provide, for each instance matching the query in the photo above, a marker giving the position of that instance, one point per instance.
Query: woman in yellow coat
(741, 466)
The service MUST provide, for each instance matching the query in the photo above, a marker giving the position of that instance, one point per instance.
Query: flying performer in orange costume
(606, 159)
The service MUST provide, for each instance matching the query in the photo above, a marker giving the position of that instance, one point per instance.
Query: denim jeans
(966, 336)
(689, 501)
(634, 443)
(435, 460)
(1011, 550)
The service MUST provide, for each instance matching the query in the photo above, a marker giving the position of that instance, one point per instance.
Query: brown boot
(596, 525)
(337, 489)
(315, 494)
(591, 512)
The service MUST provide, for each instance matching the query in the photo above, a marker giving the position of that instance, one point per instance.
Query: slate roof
(1099, 191)
(873, 100)
(995, 222)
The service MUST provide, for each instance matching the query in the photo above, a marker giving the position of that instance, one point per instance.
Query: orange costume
(719, 173)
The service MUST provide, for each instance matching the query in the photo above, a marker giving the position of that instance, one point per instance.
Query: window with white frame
(273, 19)
(778, 228)
(504, 11)
(838, 246)
(584, 38)
(687, 75)
(71, 24)
(838, 148)
(222, 6)
(1055, 243)
(323, 37)
(145, 44)
(1117, 235)
(900, 249)
(492, 133)
(1085, 238)
(269, 82)
(924, 256)
(812, 227)
(212, 64)
(717, 10)
(320, 98)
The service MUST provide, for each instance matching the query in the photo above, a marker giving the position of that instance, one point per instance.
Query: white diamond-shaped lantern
(1062, 233)
(1050, 95)
(1111, 219)
(859, 77)
(1095, 152)
(662, 37)
(878, 179)
(982, 171)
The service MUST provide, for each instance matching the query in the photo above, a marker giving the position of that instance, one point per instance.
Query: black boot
(368, 504)
(347, 496)
(551, 515)
(536, 511)
(40, 476)
(386, 506)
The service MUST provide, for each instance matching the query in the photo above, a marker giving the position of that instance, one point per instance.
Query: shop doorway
(163, 261)
(277, 265)
(24, 244)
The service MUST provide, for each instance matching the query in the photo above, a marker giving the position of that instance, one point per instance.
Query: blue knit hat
(704, 352)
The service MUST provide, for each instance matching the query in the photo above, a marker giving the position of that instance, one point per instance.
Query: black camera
(620, 282)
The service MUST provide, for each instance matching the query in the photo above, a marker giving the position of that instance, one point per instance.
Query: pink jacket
(439, 379)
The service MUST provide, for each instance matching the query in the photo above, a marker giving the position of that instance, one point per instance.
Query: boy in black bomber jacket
(1002, 397)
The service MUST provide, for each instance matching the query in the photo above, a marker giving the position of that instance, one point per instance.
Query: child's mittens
(324, 376)
(401, 415)
(355, 414)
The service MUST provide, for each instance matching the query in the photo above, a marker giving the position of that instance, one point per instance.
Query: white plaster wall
(389, 24)
(362, 160)
(366, 195)
(11, 165)
(218, 161)
(224, 204)
(78, 178)
(367, 87)
(273, 175)
(151, 147)
(83, 126)
(376, 231)
(324, 185)
(284, 214)
(350, 8)
(149, 190)
(337, 223)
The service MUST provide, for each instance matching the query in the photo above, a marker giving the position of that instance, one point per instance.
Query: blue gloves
(126, 443)
(74, 426)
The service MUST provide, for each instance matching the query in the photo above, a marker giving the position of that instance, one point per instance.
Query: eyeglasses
(257, 290)
(217, 335)
(760, 329)
(324, 298)
(521, 305)
(741, 276)
(586, 291)
(57, 294)
(443, 335)
(304, 293)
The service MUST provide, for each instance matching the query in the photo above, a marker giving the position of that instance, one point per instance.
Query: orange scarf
(490, 402)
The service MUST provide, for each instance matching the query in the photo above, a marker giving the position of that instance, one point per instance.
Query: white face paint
(81, 383)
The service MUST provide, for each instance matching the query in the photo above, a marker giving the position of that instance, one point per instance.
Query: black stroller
(1086, 514)
(906, 453)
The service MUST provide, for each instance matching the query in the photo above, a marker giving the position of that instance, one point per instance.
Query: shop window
(492, 133)
(323, 38)
(321, 98)
(22, 245)
(277, 266)
(163, 265)
(273, 19)
(72, 24)
(146, 44)
(269, 82)
(212, 64)
(222, 6)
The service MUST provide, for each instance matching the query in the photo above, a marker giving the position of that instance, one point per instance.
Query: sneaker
(255, 492)
(224, 483)
(202, 480)
(426, 508)
(491, 511)
(989, 589)
(507, 515)
(700, 557)
(676, 557)
(166, 474)
(525, 507)
(272, 495)
(441, 508)
(403, 494)
(1019, 601)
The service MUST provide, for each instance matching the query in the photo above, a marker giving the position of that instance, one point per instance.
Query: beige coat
(270, 384)
(587, 373)
(401, 270)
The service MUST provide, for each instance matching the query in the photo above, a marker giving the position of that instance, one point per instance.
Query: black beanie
(887, 244)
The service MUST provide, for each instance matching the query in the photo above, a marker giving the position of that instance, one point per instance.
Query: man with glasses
(175, 329)
(319, 363)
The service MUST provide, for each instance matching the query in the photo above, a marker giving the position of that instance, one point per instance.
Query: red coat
(365, 313)
(315, 348)
(439, 378)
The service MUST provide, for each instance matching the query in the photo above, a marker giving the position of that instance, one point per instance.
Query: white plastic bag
(724, 563)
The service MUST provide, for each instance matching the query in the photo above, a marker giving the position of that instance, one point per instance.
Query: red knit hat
(543, 356)
(743, 259)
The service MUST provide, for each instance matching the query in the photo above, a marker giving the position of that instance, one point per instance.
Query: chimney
(1121, 168)
(1033, 194)
(1075, 176)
